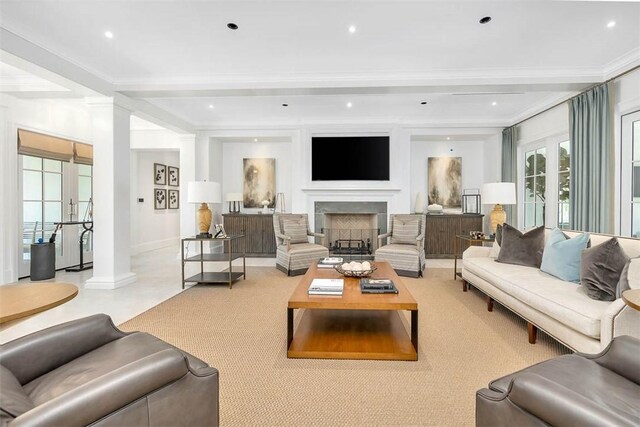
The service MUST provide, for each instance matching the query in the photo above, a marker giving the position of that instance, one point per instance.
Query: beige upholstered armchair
(405, 252)
(295, 254)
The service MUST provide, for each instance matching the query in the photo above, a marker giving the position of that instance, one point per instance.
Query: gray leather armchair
(573, 390)
(88, 372)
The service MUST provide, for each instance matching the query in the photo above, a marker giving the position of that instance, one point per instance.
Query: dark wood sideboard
(259, 239)
(442, 229)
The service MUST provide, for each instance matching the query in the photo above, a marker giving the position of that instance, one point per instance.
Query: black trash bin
(43, 261)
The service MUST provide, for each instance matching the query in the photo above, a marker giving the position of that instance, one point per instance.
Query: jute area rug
(242, 332)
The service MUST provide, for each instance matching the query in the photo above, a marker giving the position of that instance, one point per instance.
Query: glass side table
(471, 241)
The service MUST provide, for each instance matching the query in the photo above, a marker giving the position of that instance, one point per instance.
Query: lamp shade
(203, 192)
(499, 193)
(233, 197)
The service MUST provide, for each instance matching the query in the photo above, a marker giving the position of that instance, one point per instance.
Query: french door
(47, 187)
(630, 182)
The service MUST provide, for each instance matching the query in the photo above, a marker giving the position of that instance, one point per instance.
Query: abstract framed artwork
(259, 182)
(160, 198)
(159, 174)
(173, 176)
(445, 181)
(174, 199)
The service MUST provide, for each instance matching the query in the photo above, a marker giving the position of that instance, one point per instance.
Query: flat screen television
(350, 158)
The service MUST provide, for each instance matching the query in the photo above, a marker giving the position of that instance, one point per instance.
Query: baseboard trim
(153, 245)
(110, 282)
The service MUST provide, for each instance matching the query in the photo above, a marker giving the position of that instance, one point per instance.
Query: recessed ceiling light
(485, 20)
(448, 138)
(232, 26)
(285, 105)
(352, 29)
(611, 24)
(349, 105)
(423, 103)
(494, 103)
(255, 139)
(108, 34)
(210, 105)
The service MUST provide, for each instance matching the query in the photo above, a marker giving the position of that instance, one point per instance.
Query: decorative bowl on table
(355, 269)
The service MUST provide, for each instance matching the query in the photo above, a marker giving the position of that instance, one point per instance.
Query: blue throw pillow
(561, 257)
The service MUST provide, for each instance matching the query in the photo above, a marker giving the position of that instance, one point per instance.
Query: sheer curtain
(591, 127)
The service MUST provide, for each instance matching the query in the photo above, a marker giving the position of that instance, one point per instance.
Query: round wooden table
(632, 298)
(25, 299)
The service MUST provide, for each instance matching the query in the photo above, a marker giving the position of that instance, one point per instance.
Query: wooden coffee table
(354, 325)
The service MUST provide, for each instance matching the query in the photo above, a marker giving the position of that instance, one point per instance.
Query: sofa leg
(533, 332)
(489, 304)
(464, 286)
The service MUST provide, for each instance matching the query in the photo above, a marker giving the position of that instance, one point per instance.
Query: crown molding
(621, 64)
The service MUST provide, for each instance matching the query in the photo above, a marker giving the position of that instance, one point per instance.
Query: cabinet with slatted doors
(259, 238)
(441, 231)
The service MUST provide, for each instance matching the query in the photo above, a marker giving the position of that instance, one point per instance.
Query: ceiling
(180, 56)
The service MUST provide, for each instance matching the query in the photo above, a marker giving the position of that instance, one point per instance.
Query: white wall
(151, 228)
(472, 153)
(231, 174)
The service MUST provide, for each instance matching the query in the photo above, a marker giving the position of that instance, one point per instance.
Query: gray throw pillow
(600, 269)
(521, 249)
(13, 400)
(499, 234)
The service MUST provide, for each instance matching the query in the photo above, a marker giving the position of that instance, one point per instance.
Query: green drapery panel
(509, 168)
(590, 128)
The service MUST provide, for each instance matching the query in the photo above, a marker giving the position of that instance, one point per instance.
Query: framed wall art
(159, 174)
(259, 182)
(173, 176)
(445, 181)
(160, 198)
(174, 199)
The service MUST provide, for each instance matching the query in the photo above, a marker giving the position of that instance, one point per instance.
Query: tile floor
(158, 279)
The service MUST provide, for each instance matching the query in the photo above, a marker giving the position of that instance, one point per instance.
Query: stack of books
(326, 287)
(329, 262)
(377, 286)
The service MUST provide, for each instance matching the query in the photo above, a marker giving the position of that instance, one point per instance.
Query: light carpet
(242, 332)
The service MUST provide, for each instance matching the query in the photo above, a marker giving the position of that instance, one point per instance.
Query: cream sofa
(561, 309)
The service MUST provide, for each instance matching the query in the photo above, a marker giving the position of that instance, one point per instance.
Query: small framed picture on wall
(159, 174)
(160, 198)
(173, 173)
(174, 199)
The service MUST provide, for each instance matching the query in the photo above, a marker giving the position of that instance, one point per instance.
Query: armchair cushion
(13, 400)
(405, 230)
(296, 229)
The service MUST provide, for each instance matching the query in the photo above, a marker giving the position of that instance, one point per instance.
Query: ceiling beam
(21, 53)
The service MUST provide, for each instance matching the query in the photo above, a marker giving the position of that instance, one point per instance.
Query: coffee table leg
(414, 329)
(289, 326)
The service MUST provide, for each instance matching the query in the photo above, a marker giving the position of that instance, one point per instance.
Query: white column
(9, 200)
(187, 174)
(110, 125)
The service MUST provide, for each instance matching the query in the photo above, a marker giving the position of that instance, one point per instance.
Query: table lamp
(498, 194)
(203, 192)
(234, 200)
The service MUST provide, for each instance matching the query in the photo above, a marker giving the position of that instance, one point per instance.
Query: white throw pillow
(495, 250)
